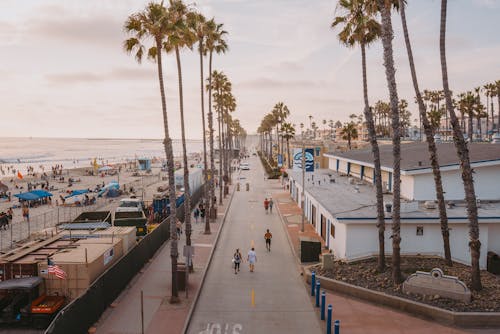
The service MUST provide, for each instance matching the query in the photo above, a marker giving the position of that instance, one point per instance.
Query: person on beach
(268, 236)
(237, 258)
(196, 214)
(252, 258)
(271, 203)
(266, 204)
(26, 213)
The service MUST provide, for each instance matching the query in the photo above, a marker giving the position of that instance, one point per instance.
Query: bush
(272, 173)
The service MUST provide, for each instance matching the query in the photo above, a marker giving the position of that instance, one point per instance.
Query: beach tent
(111, 185)
(3, 187)
(77, 192)
(104, 169)
(144, 164)
(41, 193)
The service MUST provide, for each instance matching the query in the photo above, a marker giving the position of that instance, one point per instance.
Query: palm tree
(152, 23)
(179, 37)
(463, 155)
(349, 132)
(288, 131)
(198, 24)
(390, 72)
(443, 216)
(214, 43)
(362, 28)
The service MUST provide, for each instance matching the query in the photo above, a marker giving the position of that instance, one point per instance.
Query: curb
(285, 229)
(413, 308)
(205, 271)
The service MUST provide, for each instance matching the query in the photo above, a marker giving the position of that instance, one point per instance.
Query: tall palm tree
(349, 132)
(361, 28)
(390, 72)
(214, 42)
(152, 23)
(181, 36)
(431, 144)
(288, 131)
(463, 155)
(198, 24)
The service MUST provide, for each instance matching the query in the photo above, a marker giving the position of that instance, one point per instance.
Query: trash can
(226, 190)
(181, 276)
(493, 263)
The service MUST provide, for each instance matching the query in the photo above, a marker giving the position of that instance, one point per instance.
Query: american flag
(55, 269)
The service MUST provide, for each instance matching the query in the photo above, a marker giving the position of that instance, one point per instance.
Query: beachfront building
(340, 201)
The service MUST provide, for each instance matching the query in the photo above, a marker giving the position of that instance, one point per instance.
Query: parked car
(244, 166)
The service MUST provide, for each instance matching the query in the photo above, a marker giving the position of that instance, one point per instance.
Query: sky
(64, 72)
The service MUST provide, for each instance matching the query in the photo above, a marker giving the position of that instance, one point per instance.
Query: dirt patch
(364, 274)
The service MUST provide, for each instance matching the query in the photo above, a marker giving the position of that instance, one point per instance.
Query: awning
(21, 283)
(77, 192)
(27, 196)
(41, 193)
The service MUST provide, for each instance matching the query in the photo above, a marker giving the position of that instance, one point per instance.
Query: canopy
(41, 193)
(21, 283)
(33, 195)
(77, 192)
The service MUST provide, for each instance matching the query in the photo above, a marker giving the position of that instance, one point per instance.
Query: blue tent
(29, 196)
(77, 192)
(41, 193)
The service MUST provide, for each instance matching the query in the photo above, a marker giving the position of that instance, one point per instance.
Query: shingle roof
(413, 153)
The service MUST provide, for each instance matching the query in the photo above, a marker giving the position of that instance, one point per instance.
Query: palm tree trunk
(206, 186)
(390, 72)
(471, 127)
(463, 155)
(370, 124)
(213, 213)
(443, 217)
(187, 192)
(167, 143)
(288, 152)
(221, 183)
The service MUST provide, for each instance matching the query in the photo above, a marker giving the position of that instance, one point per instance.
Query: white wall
(407, 187)
(486, 184)
(332, 164)
(342, 166)
(493, 238)
(338, 244)
(362, 241)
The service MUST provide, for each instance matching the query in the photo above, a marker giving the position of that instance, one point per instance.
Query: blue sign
(309, 159)
(280, 160)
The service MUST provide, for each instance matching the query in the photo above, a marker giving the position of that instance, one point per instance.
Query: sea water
(78, 152)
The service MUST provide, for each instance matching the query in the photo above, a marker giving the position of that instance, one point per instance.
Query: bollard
(323, 302)
(313, 282)
(317, 292)
(336, 327)
(329, 320)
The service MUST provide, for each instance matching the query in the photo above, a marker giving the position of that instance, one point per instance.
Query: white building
(340, 201)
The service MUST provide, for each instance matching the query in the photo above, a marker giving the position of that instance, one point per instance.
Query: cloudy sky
(64, 73)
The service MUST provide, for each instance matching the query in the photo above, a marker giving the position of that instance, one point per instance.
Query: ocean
(79, 152)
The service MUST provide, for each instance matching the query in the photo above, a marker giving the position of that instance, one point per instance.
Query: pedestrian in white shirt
(252, 258)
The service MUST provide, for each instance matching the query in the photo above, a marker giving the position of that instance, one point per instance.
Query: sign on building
(309, 159)
(280, 160)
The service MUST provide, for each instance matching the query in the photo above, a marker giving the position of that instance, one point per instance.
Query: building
(340, 201)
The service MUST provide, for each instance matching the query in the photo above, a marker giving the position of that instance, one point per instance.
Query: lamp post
(303, 177)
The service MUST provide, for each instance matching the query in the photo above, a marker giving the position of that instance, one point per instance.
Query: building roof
(415, 156)
(356, 203)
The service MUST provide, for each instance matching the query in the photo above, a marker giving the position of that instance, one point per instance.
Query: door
(323, 227)
(313, 215)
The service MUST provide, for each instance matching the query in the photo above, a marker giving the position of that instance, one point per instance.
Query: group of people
(251, 256)
(268, 205)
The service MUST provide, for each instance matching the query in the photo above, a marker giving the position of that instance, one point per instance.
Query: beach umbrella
(77, 192)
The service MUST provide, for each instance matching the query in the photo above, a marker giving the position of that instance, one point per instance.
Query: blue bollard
(336, 327)
(329, 320)
(313, 282)
(317, 292)
(323, 302)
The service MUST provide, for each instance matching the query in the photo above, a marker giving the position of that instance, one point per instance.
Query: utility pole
(303, 177)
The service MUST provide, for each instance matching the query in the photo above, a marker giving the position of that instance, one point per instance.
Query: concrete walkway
(124, 316)
(273, 299)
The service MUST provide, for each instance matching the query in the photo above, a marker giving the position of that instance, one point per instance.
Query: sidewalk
(124, 315)
(357, 316)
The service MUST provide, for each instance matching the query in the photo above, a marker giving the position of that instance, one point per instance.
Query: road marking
(202, 245)
(253, 298)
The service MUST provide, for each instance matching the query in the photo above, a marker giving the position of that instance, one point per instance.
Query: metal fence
(85, 310)
(21, 230)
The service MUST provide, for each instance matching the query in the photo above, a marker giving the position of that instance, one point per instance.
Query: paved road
(272, 299)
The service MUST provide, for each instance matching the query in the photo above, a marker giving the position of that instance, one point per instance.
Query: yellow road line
(253, 297)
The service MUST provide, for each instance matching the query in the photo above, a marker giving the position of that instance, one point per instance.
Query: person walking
(266, 204)
(271, 203)
(178, 225)
(268, 236)
(196, 215)
(237, 258)
(26, 213)
(252, 258)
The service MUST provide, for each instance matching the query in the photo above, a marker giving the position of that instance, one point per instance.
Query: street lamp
(303, 177)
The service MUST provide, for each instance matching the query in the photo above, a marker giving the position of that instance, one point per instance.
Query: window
(332, 230)
(420, 230)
